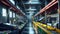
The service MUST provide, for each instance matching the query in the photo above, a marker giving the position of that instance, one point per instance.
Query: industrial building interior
(29, 16)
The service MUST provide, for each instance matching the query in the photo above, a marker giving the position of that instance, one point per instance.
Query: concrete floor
(28, 29)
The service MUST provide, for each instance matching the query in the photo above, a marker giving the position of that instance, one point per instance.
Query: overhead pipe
(50, 6)
(5, 2)
(46, 7)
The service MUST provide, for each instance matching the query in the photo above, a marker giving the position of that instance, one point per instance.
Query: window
(13, 15)
(10, 14)
(4, 13)
(12, 1)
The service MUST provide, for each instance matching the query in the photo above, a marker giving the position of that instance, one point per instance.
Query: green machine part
(40, 31)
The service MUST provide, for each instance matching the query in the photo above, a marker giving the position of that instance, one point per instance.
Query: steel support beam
(45, 12)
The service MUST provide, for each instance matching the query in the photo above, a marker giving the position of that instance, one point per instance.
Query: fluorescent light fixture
(30, 9)
(29, 1)
(41, 18)
(18, 7)
(12, 1)
(33, 2)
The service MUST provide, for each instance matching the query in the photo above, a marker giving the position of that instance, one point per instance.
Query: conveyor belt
(47, 29)
(41, 28)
